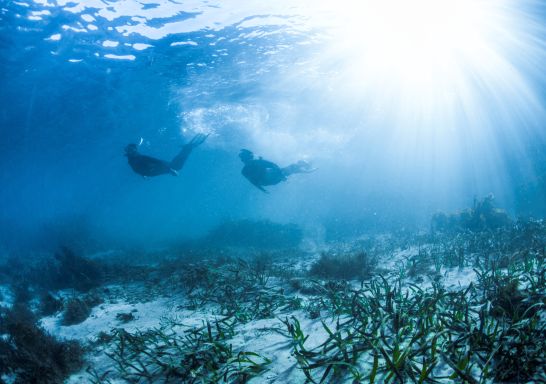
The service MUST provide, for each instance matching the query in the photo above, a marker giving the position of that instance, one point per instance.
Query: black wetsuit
(263, 173)
(148, 166)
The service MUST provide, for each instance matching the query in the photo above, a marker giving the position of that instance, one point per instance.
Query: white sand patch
(6, 296)
(397, 259)
(148, 315)
(455, 278)
(103, 319)
(260, 336)
(266, 337)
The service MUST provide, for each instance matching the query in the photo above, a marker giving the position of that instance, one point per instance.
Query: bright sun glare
(433, 60)
(422, 46)
(420, 38)
(440, 86)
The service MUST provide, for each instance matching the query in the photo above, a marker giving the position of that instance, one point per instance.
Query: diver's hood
(245, 155)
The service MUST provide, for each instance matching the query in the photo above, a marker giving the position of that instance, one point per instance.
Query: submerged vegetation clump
(196, 355)
(352, 266)
(380, 327)
(391, 330)
(76, 311)
(481, 217)
(49, 304)
(387, 332)
(29, 355)
(238, 288)
(70, 270)
(440, 307)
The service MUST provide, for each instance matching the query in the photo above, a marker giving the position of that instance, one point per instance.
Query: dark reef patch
(32, 355)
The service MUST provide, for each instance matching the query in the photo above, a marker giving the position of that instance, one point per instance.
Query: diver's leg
(287, 171)
(299, 167)
(178, 162)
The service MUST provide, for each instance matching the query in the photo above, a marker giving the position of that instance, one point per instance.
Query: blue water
(82, 79)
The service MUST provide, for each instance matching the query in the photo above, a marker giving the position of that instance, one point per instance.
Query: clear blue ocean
(398, 126)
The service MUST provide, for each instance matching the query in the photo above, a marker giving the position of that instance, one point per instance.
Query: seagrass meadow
(422, 308)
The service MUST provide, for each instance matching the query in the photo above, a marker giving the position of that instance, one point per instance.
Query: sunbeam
(448, 90)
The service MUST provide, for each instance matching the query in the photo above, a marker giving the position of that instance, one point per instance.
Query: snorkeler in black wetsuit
(262, 173)
(149, 166)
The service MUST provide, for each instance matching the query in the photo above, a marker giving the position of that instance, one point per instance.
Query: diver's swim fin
(198, 139)
(177, 163)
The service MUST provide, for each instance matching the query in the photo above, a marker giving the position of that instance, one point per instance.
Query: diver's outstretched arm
(178, 162)
(299, 167)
